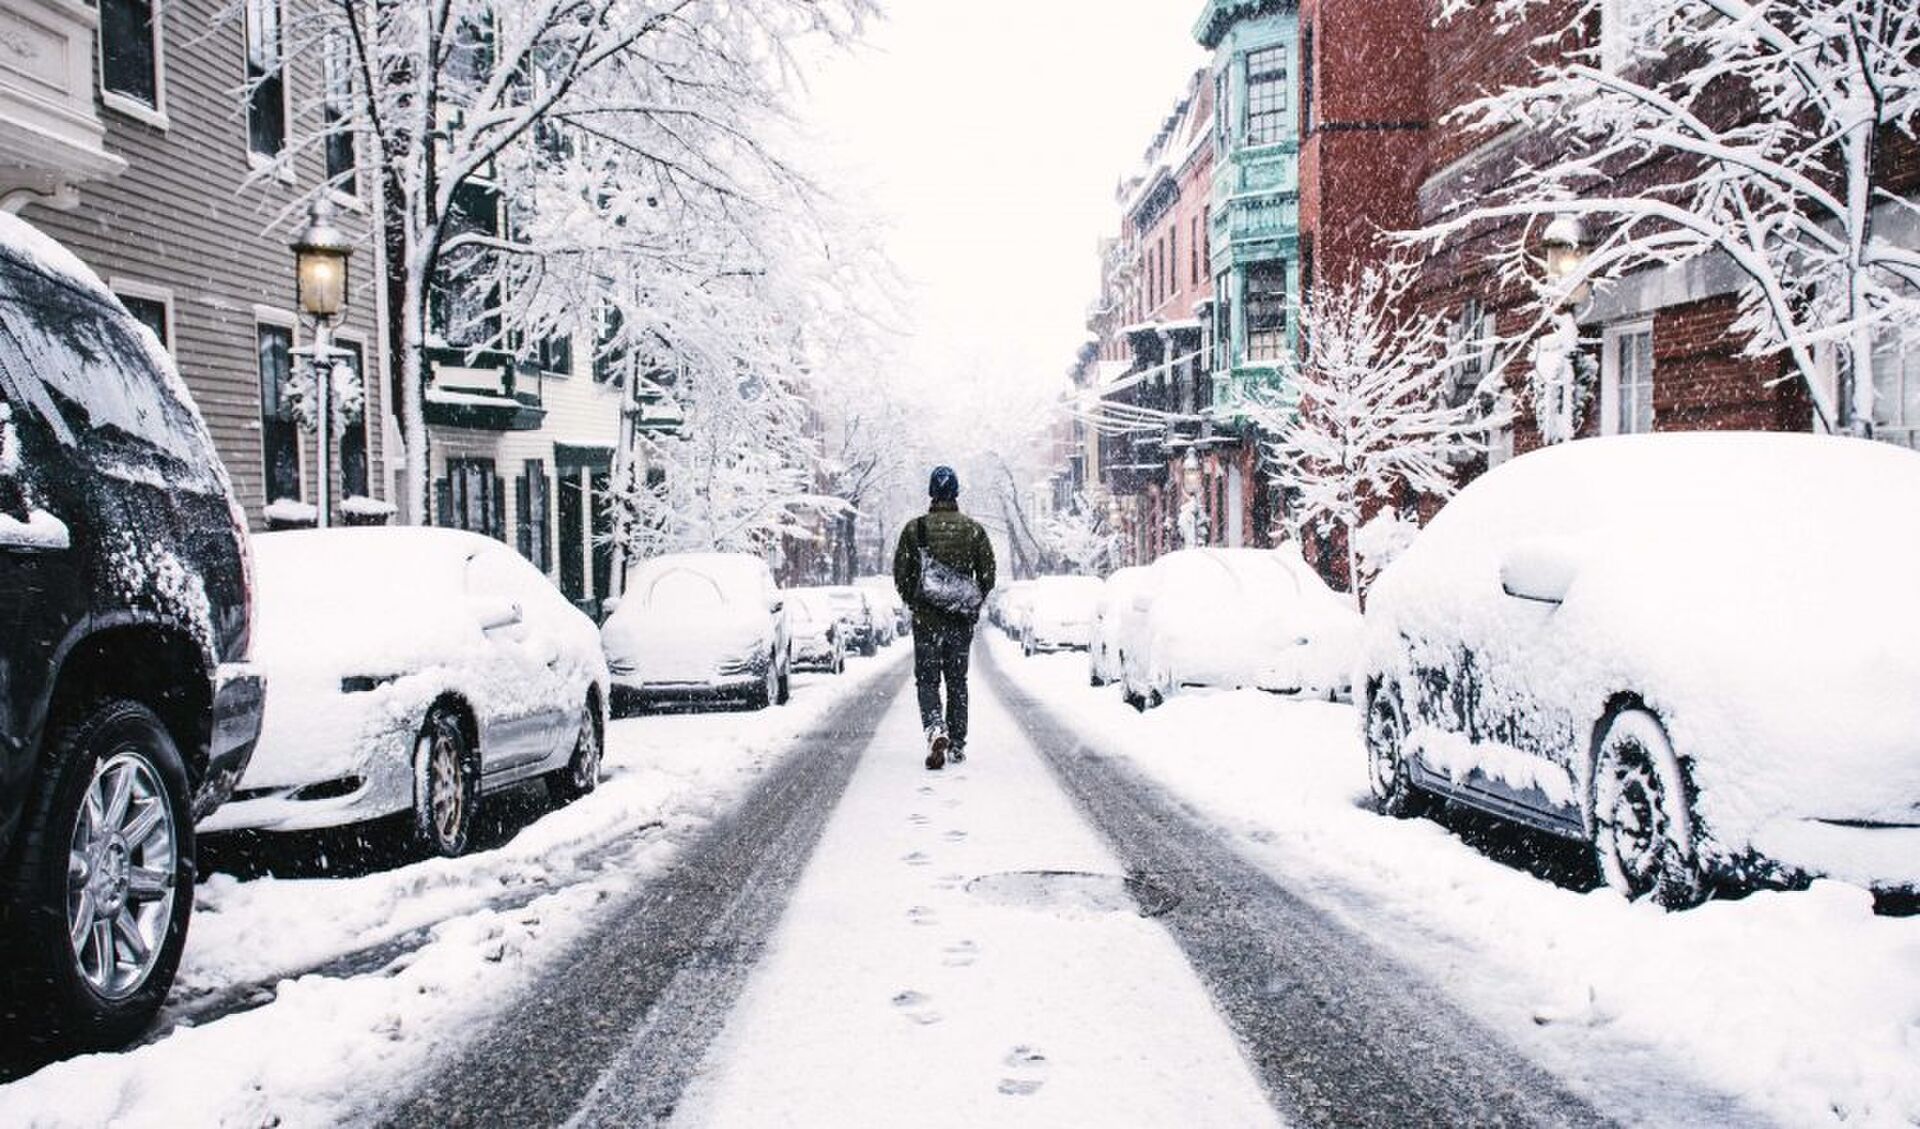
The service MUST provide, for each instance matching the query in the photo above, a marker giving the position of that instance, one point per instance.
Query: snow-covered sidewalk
(1804, 1007)
(449, 940)
(924, 976)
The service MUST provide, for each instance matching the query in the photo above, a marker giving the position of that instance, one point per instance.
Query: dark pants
(940, 652)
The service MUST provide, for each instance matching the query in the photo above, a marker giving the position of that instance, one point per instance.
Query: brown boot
(936, 747)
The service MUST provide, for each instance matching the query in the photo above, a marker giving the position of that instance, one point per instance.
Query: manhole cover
(1074, 891)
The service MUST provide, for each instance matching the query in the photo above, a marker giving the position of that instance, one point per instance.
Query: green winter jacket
(955, 540)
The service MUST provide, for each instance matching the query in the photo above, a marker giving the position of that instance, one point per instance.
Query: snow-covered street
(1042, 935)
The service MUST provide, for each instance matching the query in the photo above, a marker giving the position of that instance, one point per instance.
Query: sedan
(1697, 653)
(1060, 614)
(859, 616)
(696, 627)
(1233, 619)
(413, 670)
(817, 631)
(1103, 642)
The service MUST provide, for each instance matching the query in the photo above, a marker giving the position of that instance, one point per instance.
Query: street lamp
(320, 256)
(1559, 397)
(1193, 516)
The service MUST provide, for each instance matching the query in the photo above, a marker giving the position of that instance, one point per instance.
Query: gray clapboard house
(129, 130)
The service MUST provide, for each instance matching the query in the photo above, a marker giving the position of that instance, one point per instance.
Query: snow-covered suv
(127, 710)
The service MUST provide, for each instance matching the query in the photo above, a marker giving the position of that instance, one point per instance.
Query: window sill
(347, 200)
(137, 110)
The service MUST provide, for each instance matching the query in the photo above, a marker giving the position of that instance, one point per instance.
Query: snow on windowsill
(289, 511)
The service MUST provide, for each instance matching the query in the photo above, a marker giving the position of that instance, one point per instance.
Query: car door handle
(40, 533)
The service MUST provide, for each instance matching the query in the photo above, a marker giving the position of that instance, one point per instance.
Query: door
(526, 706)
(39, 599)
(571, 539)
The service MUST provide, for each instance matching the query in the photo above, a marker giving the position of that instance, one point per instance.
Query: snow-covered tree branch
(1748, 131)
(1372, 417)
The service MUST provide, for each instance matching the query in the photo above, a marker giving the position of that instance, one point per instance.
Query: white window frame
(1894, 426)
(359, 341)
(1610, 342)
(257, 160)
(352, 200)
(156, 114)
(147, 291)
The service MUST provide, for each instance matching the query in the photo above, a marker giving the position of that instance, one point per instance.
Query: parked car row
(1634, 643)
(164, 674)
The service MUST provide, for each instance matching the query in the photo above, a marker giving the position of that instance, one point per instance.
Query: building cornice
(1219, 16)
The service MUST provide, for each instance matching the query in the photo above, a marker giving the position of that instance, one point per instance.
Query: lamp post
(1193, 519)
(320, 256)
(1558, 396)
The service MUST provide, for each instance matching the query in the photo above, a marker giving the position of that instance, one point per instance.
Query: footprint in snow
(918, 820)
(960, 954)
(914, 1005)
(954, 836)
(916, 858)
(923, 915)
(925, 789)
(1028, 1069)
(949, 881)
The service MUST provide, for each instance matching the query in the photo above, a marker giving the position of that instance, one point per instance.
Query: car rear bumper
(239, 703)
(727, 687)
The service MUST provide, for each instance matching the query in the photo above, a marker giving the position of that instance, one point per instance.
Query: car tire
(764, 695)
(581, 773)
(1389, 777)
(1026, 645)
(446, 784)
(140, 867)
(1644, 837)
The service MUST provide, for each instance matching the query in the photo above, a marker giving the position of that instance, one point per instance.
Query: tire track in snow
(612, 1032)
(1339, 1032)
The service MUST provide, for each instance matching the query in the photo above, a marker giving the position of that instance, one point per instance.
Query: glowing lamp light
(320, 264)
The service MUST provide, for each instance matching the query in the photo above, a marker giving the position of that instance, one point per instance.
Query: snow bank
(1802, 1007)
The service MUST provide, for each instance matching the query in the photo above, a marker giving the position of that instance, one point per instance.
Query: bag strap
(920, 531)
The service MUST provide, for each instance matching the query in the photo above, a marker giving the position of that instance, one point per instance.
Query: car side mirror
(1541, 571)
(494, 613)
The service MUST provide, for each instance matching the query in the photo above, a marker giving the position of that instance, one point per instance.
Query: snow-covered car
(857, 616)
(1011, 610)
(1060, 614)
(696, 627)
(816, 629)
(1233, 619)
(413, 669)
(1699, 653)
(127, 704)
(1103, 639)
(890, 612)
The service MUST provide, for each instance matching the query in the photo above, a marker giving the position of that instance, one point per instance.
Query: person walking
(943, 569)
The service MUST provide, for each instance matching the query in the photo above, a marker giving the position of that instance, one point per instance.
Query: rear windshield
(87, 370)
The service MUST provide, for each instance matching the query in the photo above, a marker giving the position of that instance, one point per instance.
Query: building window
(1222, 131)
(1634, 30)
(353, 437)
(533, 524)
(336, 110)
(554, 355)
(1267, 96)
(266, 80)
(1626, 379)
(152, 311)
(1173, 258)
(465, 300)
(1266, 306)
(1896, 390)
(474, 501)
(1193, 251)
(130, 55)
(279, 435)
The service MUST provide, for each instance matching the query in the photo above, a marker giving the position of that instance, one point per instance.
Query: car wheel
(446, 784)
(1643, 825)
(768, 691)
(1388, 775)
(103, 887)
(582, 772)
(1026, 645)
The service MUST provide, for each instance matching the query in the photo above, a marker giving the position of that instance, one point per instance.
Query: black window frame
(355, 468)
(1265, 310)
(341, 155)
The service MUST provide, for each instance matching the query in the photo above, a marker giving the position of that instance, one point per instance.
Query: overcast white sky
(988, 136)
